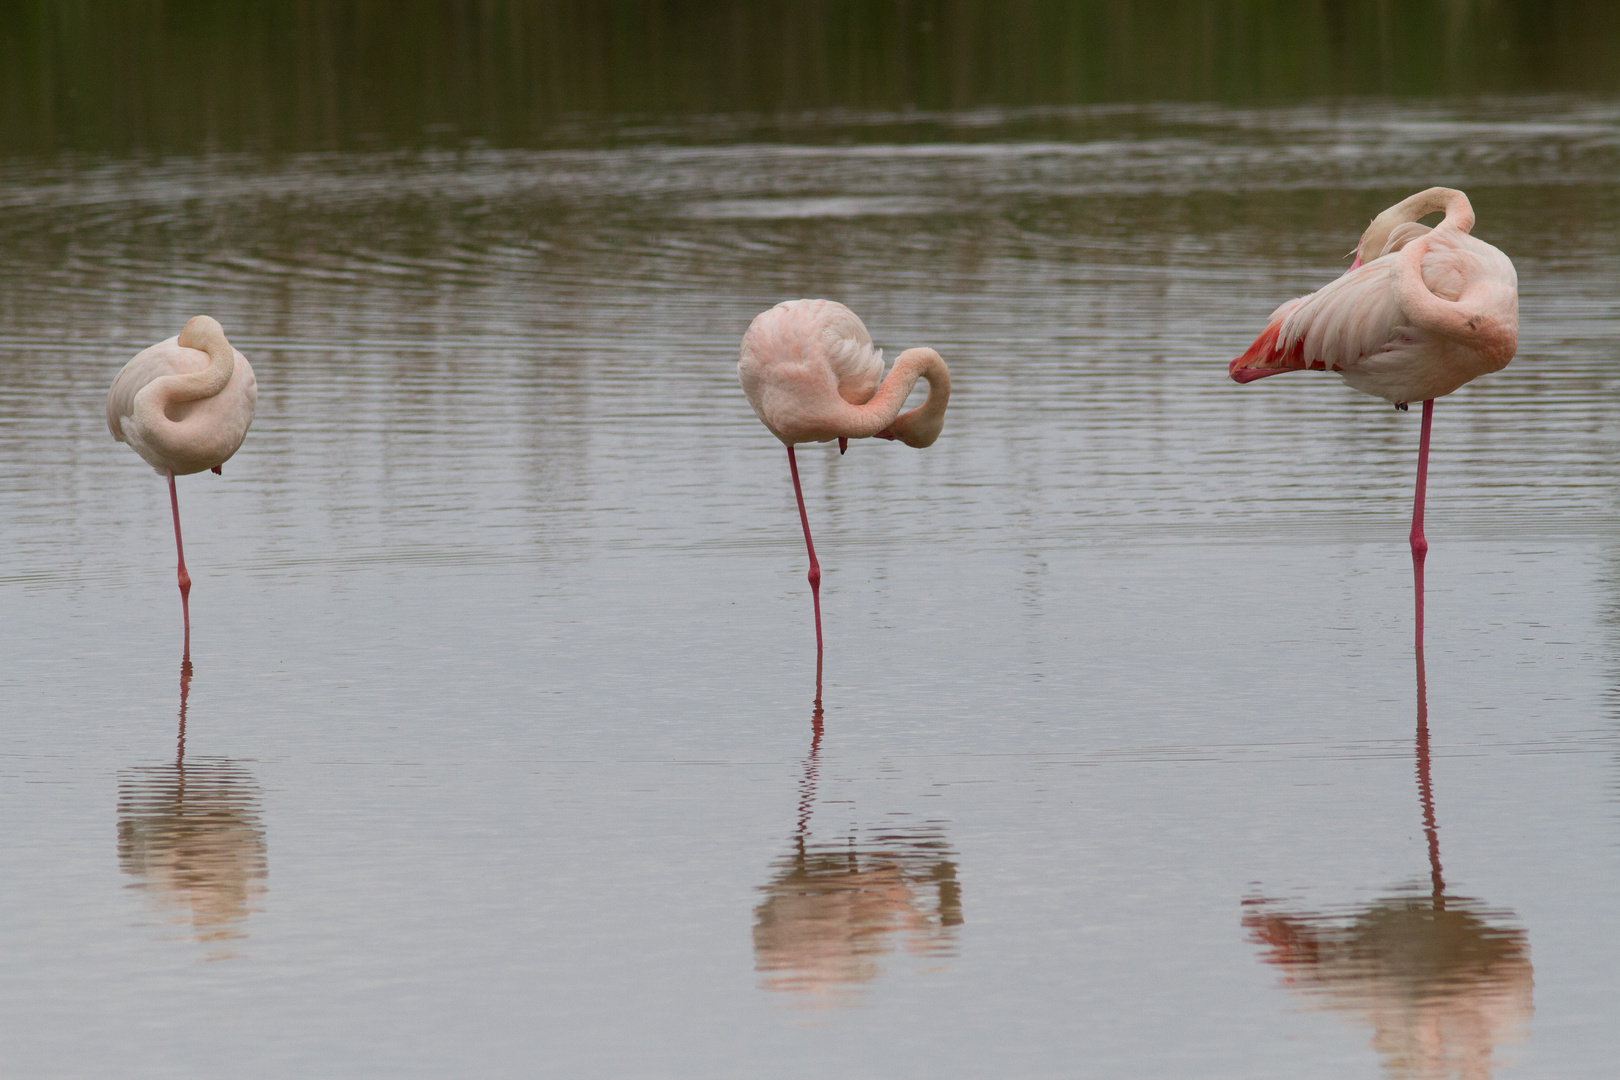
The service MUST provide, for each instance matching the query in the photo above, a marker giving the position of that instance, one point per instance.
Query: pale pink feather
(811, 372)
(184, 409)
(1434, 310)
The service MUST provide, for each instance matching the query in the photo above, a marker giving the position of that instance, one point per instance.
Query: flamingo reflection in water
(832, 910)
(1442, 979)
(190, 834)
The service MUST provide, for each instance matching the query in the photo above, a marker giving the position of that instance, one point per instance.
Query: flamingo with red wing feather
(1419, 313)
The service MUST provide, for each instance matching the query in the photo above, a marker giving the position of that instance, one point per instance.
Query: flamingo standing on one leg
(1419, 313)
(184, 405)
(812, 374)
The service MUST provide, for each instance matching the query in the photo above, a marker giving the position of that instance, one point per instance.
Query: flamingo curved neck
(921, 426)
(918, 427)
(1464, 320)
(1458, 210)
(1484, 318)
(170, 437)
(204, 335)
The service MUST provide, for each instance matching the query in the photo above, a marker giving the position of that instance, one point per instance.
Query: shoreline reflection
(190, 833)
(832, 909)
(1442, 979)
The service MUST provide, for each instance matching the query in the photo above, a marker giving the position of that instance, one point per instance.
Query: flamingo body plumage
(1423, 311)
(812, 374)
(1420, 313)
(184, 405)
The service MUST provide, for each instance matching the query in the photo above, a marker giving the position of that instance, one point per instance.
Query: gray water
(498, 754)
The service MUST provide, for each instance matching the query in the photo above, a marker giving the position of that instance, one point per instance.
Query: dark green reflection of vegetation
(120, 75)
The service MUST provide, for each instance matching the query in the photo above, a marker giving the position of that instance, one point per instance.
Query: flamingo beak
(217, 470)
(843, 445)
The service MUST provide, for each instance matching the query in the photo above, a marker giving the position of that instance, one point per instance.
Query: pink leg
(185, 578)
(815, 567)
(1420, 546)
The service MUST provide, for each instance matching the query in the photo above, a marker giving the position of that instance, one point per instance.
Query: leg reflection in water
(190, 835)
(185, 689)
(833, 909)
(1442, 979)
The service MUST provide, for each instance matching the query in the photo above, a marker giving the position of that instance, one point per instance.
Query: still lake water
(499, 754)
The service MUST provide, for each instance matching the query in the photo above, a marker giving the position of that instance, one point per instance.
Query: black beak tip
(843, 445)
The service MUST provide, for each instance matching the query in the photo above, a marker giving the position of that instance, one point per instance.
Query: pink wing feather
(1360, 326)
(1327, 330)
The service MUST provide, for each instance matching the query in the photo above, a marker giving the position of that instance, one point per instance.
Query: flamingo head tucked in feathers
(1376, 241)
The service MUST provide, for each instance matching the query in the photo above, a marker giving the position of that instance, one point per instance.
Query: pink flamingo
(184, 405)
(812, 375)
(1419, 313)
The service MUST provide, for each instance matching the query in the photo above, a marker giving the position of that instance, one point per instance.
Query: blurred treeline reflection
(123, 75)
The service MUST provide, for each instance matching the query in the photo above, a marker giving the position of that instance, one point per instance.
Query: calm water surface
(499, 757)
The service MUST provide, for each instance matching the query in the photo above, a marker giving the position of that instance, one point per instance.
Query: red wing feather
(1265, 358)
